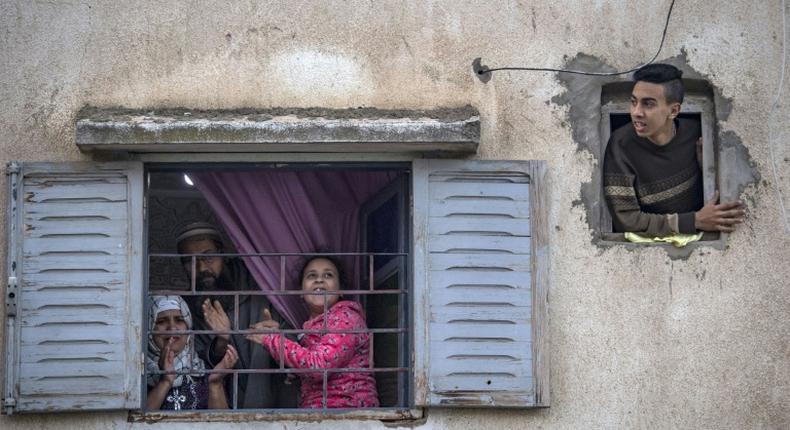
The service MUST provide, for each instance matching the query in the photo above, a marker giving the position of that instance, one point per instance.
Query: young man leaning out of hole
(652, 176)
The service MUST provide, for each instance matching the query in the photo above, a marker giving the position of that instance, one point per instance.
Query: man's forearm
(648, 224)
(686, 223)
(627, 215)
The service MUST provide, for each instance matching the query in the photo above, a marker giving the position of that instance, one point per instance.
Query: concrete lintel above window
(455, 130)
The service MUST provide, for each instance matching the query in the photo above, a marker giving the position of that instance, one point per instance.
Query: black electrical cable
(482, 70)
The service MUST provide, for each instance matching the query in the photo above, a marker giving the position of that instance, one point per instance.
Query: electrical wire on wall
(772, 123)
(484, 73)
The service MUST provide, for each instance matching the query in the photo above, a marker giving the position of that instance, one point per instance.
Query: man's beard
(206, 281)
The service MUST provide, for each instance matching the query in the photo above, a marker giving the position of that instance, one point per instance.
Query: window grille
(402, 331)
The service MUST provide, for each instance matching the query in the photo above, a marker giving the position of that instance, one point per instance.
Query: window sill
(380, 414)
(711, 239)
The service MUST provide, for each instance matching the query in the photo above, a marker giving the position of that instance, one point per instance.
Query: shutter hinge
(9, 403)
(11, 296)
(12, 167)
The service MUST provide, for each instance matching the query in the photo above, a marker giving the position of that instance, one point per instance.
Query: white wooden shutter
(480, 267)
(75, 270)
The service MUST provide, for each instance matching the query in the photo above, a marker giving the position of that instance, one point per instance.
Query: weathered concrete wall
(638, 340)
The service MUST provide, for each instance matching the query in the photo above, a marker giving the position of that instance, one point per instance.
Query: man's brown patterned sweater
(650, 189)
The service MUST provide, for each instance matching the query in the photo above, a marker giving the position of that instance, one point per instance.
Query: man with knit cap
(652, 176)
(217, 313)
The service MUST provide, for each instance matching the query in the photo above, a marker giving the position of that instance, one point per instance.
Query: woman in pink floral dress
(330, 350)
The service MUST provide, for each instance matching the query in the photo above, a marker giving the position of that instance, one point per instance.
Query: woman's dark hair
(337, 262)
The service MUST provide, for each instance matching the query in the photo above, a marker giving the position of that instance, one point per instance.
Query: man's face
(208, 268)
(650, 113)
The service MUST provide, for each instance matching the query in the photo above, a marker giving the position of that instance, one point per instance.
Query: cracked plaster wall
(638, 340)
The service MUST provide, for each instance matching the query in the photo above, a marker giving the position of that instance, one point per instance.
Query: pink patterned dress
(332, 350)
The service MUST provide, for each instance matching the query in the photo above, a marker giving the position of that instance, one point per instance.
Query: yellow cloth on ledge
(679, 240)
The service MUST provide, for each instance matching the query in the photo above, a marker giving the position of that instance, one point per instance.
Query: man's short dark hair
(667, 76)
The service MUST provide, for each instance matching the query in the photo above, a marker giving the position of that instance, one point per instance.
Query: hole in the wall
(480, 71)
(584, 98)
(697, 106)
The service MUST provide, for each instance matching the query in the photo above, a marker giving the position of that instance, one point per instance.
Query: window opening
(376, 264)
(697, 105)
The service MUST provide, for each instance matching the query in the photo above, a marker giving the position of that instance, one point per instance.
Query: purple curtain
(291, 211)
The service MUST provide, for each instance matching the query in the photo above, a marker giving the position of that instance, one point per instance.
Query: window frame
(164, 162)
(615, 100)
(539, 204)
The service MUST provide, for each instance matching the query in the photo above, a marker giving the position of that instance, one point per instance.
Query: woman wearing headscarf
(188, 387)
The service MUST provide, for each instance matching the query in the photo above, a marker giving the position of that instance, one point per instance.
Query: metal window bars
(402, 370)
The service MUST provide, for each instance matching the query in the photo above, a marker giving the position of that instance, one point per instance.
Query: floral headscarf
(187, 359)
